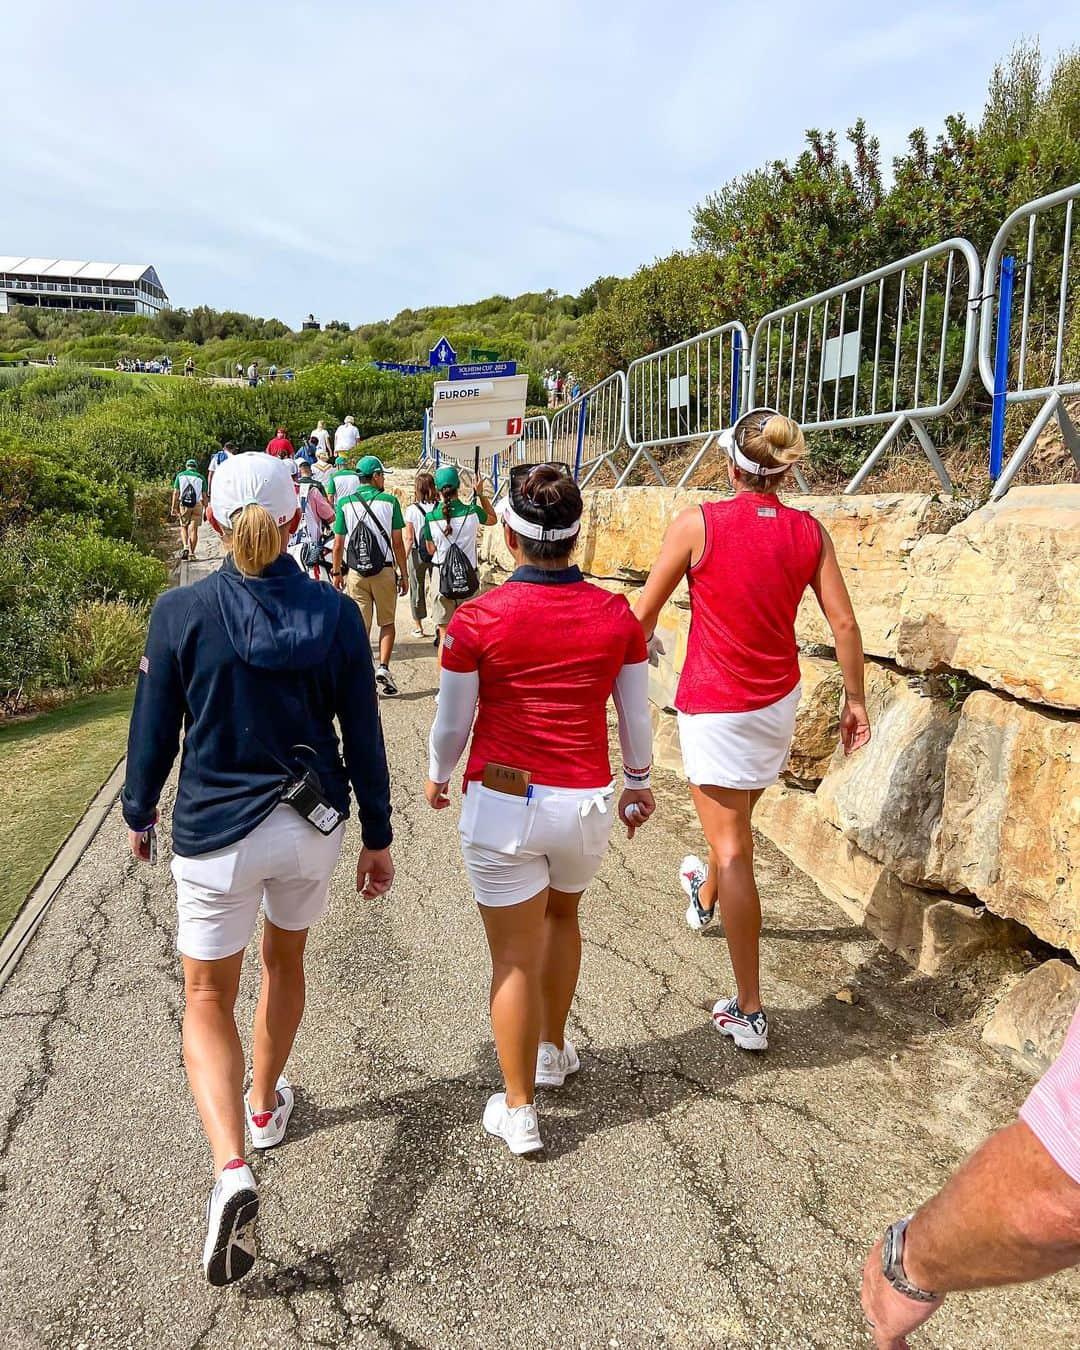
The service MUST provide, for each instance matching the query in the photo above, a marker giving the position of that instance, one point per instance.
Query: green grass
(51, 766)
(394, 447)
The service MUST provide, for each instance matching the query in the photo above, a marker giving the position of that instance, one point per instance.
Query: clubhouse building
(64, 283)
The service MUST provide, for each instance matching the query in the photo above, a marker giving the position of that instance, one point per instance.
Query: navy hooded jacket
(250, 667)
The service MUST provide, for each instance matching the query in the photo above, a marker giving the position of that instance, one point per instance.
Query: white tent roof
(84, 271)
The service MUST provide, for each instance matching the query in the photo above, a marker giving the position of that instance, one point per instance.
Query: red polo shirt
(549, 647)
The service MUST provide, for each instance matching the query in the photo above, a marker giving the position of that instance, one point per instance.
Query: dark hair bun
(554, 497)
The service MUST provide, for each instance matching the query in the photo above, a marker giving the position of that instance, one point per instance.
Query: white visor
(729, 446)
(529, 530)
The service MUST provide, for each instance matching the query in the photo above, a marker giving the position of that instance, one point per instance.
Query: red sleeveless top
(759, 558)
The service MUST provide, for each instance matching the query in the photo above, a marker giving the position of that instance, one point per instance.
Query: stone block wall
(961, 819)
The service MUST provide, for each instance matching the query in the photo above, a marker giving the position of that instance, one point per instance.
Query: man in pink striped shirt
(1010, 1214)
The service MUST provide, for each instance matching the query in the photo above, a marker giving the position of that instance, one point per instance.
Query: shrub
(104, 643)
(89, 566)
(48, 578)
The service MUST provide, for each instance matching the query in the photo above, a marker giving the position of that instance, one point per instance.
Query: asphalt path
(689, 1194)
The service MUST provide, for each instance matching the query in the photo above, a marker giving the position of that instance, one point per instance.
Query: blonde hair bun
(782, 439)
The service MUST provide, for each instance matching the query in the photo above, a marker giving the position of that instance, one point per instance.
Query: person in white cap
(250, 662)
(748, 561)
(346, 437)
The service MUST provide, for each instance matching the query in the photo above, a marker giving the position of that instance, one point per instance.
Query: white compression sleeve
(458, 692)
(631, 696)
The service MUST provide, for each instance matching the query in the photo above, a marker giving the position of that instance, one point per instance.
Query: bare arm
(410, 537)
(832, 595)
(338, 559)
(490, 518)
(1010, 1214)
(402, 562)
(683, 542)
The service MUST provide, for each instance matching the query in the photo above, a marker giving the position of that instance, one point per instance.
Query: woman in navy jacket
(254, 663)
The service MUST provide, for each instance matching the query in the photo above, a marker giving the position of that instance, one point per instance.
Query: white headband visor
(730, 447)
(530, 530)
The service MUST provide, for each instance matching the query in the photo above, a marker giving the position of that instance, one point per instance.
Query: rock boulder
(928, 930)
(1010, 817)
(1031, 1021)
(874, 538)
(817, 722)
(887, 796)
(999, 597)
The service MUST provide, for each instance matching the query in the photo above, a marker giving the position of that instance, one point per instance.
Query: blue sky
(355, 159)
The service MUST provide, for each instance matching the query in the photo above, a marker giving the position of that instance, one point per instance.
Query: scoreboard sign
(482, 414)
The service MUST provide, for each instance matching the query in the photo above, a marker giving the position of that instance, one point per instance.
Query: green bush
(48, 577)
(104, 643)
(90, 566)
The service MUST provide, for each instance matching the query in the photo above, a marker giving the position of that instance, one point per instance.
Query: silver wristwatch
(892, 1263)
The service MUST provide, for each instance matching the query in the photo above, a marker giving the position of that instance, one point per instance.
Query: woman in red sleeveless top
(748, 560)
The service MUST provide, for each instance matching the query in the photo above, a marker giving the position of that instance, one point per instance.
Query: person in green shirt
(453, 522)
(188, 501)
(380, 511)
(343, 482)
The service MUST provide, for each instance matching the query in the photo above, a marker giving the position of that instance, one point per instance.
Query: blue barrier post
(582, 409)
(1001, 365)
(495, 475)
(736, 375)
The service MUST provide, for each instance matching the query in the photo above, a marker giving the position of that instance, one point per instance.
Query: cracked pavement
(689, 1194)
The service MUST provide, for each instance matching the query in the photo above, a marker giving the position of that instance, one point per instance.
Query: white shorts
(743, 750)
(514, 848)
(284, 864)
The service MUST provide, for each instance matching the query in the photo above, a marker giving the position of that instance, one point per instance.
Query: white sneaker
(516, 1125)
(231, 1211)
(554, 1066)
(692, 875)
(418, 632)
(749, 1031)
(267, 1128)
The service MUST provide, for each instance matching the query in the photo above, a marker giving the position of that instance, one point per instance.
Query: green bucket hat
(368, 465)
(447, 477)
(192, 464)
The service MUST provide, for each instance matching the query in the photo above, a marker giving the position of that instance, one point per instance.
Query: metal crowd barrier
(693, 388)
(588, 431)
(1028, 364)
(895, 346)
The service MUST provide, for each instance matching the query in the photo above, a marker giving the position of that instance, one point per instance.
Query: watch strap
(892, 1264)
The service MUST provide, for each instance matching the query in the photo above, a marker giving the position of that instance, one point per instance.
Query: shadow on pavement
(617, 1087)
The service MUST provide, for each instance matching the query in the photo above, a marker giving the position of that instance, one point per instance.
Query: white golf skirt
(743, 750)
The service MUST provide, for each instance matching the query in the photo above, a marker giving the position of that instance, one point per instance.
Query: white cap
(350, 420)
(243, 480)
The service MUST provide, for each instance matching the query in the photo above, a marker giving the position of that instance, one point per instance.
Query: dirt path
(689, 1195)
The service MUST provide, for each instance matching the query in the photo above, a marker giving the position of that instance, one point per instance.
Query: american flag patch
(144, 665)
(448, 640)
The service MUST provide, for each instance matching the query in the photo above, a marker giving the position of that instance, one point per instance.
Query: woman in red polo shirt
(748, 561)
(541, 655)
